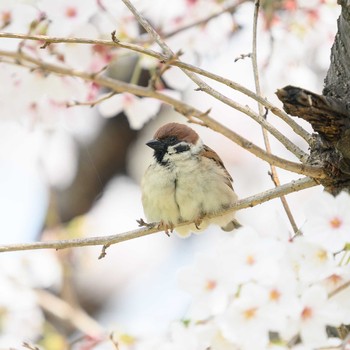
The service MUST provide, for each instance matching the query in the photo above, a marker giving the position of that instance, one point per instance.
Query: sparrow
(187, 181)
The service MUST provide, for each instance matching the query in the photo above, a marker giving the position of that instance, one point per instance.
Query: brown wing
(209, 153)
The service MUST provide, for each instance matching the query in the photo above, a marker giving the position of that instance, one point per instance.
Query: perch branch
(251, 201)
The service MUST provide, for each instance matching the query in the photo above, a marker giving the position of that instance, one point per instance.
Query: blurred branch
(183, 108)
(339, 289)
(172, 62)
(228, 8)
(107, 241)
(274, 175)
(68, 314)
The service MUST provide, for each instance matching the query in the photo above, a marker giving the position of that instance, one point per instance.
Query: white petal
(112, 106)
(140, 111)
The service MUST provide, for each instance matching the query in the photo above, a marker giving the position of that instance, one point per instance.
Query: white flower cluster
(21, 317)
(44, 96)
(260, 292)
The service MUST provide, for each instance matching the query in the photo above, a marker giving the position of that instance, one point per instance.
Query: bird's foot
(143, 223)
(166, 227)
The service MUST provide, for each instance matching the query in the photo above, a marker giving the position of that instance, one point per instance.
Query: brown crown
(181, 131)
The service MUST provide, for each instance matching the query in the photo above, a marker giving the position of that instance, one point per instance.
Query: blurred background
(71, 164)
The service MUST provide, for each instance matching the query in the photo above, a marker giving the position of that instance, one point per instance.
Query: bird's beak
(156, 145)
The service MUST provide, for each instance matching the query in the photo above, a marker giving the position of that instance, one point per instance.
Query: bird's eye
(182, 148)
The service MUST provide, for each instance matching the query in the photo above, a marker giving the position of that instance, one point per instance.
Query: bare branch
(275, 110)
(183, 108)
(248, 202)
(290, 146)
(161, 57)
(55, 40)
(67, 313)
(273, 173)
(205, 87)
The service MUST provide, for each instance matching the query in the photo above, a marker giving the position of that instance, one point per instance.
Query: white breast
(158, 195)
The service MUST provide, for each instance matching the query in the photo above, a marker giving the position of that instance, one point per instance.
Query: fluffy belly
(158, 197)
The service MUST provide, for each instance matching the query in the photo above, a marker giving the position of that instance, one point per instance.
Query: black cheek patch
(181, 148)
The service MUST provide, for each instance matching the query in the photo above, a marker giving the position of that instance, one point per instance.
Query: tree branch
(68, 314)
(274, 175)
(183, 108)
(161, 57)
(205, 87)
(106, 241)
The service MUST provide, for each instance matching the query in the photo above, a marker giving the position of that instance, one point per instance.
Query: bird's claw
(197, 223)
(166, 228)
(143, 223)
(160, 226)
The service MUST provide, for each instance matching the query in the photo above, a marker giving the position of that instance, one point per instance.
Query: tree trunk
(329, 113)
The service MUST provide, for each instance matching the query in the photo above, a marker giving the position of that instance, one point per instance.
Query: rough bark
(329, 113)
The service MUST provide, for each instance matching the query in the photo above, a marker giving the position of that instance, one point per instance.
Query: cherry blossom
(328, 221)
(15, 17)
(71, 14)
(207, 282)
(317, 312)
(138, 110)
(245, 323)
(251, 257)
(311, 261)
(20, 275)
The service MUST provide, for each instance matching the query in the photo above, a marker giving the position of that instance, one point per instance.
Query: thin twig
(273, 173)
(248, 202)
(339, 289)
(228, 8)
(183, 108)
(149, 29)
(242, 56)
(161, 57)
(290, 146)
(92, 103)
(233, 85)
(205, 87)
(30, 346)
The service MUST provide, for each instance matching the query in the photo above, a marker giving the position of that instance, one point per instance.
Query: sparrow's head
(174, 142)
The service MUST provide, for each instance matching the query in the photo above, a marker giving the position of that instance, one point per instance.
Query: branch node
(103, 251)
(242, 56)
(266, 113)
(172, 58)
(114, 38)
(45, 45)
(192, 120)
